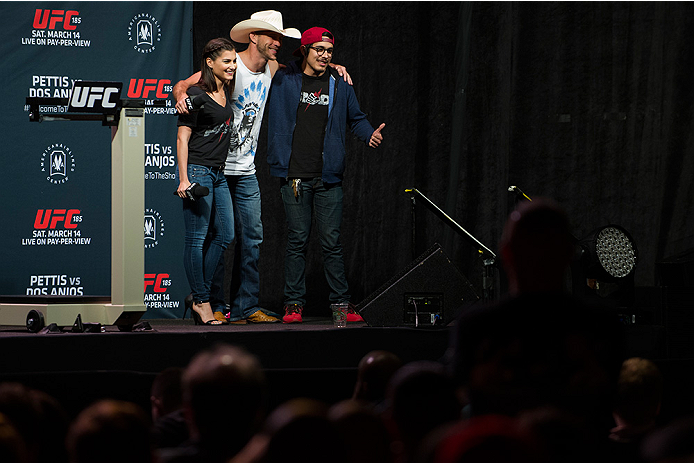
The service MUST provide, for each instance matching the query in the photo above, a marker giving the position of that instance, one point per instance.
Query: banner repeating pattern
(56, 234)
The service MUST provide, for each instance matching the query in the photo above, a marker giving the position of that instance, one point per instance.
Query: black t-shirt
(209, 142)
(311, 118)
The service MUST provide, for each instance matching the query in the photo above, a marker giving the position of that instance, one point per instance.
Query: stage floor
(311, 359)
(312, 344)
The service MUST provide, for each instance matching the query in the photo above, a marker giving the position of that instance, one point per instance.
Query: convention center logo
(57, 163)
(144, 33)
(154, 228)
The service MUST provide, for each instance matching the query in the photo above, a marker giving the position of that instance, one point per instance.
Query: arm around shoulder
(274, 66)
(180, 89)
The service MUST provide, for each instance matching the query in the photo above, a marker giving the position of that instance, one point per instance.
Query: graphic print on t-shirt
(249, 103)
(222, 129)
(211, 130)
(306, 159)
(315, 98)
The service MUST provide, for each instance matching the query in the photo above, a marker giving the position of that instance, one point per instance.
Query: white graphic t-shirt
(248, 102)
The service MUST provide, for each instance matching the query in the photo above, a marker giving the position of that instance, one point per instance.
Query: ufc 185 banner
(56, 235)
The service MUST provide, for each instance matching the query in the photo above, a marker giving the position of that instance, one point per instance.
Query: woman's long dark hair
(212, 50)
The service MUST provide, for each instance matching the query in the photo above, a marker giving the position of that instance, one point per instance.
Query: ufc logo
(51, 217)
(86, 97)
(140, 88)
(50, 18)
(155, 280)
(95, 97)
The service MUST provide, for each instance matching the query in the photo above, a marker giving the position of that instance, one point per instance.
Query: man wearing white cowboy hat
(256, 66)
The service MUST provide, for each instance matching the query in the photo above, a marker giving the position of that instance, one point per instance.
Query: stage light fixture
(609, 254)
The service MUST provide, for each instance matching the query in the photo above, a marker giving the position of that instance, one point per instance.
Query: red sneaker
(292, 313)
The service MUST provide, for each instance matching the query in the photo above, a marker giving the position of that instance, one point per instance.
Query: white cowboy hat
(269, 20)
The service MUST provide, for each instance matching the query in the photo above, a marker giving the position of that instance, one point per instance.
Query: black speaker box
(675, 275)
(678, 314)
(677, 270)
(428, 292)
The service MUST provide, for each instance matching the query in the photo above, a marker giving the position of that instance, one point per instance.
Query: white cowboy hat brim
(239, 33)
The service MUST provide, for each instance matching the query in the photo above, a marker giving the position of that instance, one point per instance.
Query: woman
(202, 144)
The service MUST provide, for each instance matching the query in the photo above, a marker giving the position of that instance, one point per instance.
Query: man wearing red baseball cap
(306, 150)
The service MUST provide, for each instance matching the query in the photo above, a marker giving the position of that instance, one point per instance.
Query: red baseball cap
(313, 35)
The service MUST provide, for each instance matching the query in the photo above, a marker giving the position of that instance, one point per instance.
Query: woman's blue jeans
(209, 223)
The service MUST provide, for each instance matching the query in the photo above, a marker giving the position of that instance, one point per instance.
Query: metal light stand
(488, 257)
(126, 305)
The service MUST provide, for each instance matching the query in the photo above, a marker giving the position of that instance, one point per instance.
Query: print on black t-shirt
(209, 142)
(306, 160)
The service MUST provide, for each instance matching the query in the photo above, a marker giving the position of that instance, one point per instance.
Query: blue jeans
(325, 200)
(244, 291)
(209, 225)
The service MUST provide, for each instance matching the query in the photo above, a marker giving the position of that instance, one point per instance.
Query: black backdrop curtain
(588, 103)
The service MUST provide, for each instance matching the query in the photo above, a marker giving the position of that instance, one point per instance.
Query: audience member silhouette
(166, 395)
(488, 439)
(373, 373)
(110, 431)
(16, 405)
(420, 397)
(219, 427)
(169, 428)
(39, 420)
(52, 427)
(12, 446)
(299, 430)
(639, 395)
(672, 443)
(536, 248)
(563, 437)
(538, 346)
(366, 436)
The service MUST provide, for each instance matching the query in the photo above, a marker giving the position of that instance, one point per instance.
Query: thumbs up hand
(376, 137)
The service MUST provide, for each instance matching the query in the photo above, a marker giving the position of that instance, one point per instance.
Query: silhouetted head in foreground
(537, 247)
